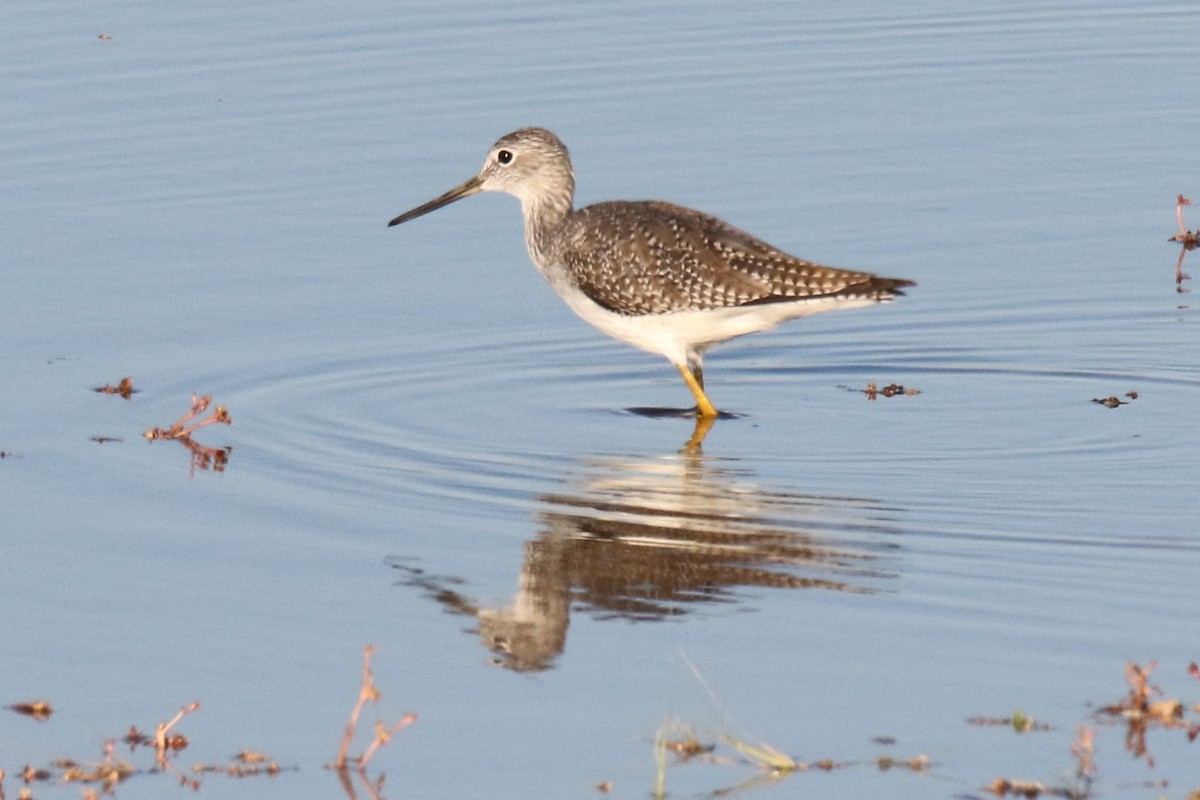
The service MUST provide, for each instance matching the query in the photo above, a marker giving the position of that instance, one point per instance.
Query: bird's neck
(544, 217)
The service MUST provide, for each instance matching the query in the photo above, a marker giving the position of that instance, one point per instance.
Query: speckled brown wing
(655, 257)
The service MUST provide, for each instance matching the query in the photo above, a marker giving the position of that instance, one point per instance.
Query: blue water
(433, 455)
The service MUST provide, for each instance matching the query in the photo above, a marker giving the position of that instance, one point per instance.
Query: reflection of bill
(647, 540)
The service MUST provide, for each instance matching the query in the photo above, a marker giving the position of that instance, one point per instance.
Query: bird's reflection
(702, 424)
(651, 539)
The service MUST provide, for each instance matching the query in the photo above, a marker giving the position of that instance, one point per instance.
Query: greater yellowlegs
(658, 276)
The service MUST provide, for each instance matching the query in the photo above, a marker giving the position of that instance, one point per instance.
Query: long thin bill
(464, 189)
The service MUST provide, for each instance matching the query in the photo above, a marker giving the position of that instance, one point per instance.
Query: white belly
(677, 334)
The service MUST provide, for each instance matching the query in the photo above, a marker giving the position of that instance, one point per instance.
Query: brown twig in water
(124, 388)
(1003, 787)
(1113, 401)
(38, 709)
(873, 390)
(161, 743)
(1019, 722)
(247, 763)
(1189, 239)
(109, 772)
(366, 693)
(383, 734)
(1140, 711)
(1180, 275)
(199, 406)
(1084, 750)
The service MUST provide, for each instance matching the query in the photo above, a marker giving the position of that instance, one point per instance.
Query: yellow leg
(703, 405)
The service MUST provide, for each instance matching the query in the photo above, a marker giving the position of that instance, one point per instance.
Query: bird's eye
(504, 157)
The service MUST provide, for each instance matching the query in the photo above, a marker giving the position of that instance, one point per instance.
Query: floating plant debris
(205, 458)
(1113, 401)
(181, 430)
(38, 709)
(1189, 239)
(873, 391)
(124, 388)
(1019, 722)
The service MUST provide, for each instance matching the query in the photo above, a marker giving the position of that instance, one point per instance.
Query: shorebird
(661, 277)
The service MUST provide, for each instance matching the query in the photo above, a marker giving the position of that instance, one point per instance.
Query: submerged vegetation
(103, 776)
(1145, 708)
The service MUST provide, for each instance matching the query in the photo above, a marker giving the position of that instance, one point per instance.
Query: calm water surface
(432, 455)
